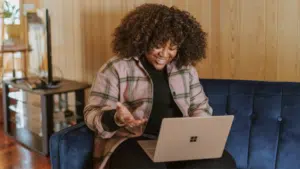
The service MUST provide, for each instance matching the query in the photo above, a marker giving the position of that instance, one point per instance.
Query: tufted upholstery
(71, 148)
(265, 133)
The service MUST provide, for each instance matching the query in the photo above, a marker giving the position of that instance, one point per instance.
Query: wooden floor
(14, 156)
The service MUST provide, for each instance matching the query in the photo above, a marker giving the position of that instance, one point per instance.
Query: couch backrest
(266, 130)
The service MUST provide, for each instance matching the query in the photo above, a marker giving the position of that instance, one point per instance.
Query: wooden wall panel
(229, 37)
(271, 59)
(202, 11)
(247, 39)
(288, 40)
(252, 40)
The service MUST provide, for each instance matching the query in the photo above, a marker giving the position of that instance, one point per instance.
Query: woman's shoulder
(189, 69)
(184, 68)
(116, 60)
(117, 63)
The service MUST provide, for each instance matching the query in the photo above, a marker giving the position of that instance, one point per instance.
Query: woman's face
(161, 55)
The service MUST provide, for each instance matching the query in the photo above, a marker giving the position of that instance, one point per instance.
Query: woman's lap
(225, 162)
(129, 155)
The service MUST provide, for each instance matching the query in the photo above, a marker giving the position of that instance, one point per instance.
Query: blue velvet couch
(265, 133)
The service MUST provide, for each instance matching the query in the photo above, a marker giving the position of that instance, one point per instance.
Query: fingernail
(119, 104)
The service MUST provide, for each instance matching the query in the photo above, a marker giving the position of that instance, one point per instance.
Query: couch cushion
(217, 92)
(289, 145)
(265, 127)
(240, 104)
(71, 148)
(265, 132)
(241, 107)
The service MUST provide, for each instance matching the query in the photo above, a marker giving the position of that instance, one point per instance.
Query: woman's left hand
(125, 118)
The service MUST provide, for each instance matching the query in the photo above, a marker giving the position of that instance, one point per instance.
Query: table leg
(6, 114)
(79, 96)
(13, 64)
(25, 64)
(47, 120)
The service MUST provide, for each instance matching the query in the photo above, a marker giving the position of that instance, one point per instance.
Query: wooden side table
(28, 114)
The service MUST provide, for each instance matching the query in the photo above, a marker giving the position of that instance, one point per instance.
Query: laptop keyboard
(148, 146)
(150, 152)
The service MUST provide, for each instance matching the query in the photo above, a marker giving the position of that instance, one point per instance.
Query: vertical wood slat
(89, 48)
(203, 15)
(67, 54)
(252, 40)
(271, 61)
(78, 40)
(288, 18)
(229, 38)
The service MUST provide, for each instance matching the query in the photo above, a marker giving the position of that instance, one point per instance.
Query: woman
(151, 78)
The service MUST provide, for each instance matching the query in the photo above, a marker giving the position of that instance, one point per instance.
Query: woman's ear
(177, 56)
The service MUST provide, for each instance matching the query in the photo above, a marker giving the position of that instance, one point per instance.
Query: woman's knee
(136, 164)
(225, 162)
(131, 156)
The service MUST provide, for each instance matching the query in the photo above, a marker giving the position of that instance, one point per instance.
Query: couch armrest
(71, 148)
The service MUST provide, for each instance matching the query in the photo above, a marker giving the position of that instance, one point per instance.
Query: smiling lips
(161, 61)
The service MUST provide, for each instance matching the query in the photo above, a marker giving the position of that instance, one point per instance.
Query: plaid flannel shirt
(126, 81)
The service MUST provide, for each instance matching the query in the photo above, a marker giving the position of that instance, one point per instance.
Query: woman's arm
(199, 105)
(104, 95)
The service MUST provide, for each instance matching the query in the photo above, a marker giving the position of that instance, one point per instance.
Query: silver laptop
(189, 138)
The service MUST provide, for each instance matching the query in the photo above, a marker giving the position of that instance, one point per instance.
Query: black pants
(129, 155)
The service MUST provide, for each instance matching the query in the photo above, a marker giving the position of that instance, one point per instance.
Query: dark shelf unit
(32, 116)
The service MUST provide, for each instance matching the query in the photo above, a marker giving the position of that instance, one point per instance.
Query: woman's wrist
(108, 121)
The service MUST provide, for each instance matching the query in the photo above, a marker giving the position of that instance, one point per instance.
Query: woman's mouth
(161, 61)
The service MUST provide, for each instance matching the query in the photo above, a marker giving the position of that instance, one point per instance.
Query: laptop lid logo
(193, 139)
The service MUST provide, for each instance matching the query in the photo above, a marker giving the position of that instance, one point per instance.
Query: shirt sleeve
(103, 98)
(108, 121)
(199, 101)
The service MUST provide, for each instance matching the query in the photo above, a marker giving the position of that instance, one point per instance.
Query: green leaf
(7, 14)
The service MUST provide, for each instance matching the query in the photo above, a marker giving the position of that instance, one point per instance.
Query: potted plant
(11, 13)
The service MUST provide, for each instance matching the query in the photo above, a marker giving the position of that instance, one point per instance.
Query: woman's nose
(163, 53)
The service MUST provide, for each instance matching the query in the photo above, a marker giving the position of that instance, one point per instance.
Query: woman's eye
(157, 46)
(173, 48)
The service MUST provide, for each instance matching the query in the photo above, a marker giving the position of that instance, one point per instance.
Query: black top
(163, 103)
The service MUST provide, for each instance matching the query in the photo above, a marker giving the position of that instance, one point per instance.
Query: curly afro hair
(150, 25)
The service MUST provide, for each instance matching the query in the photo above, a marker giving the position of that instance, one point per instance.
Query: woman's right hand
(125, 118)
